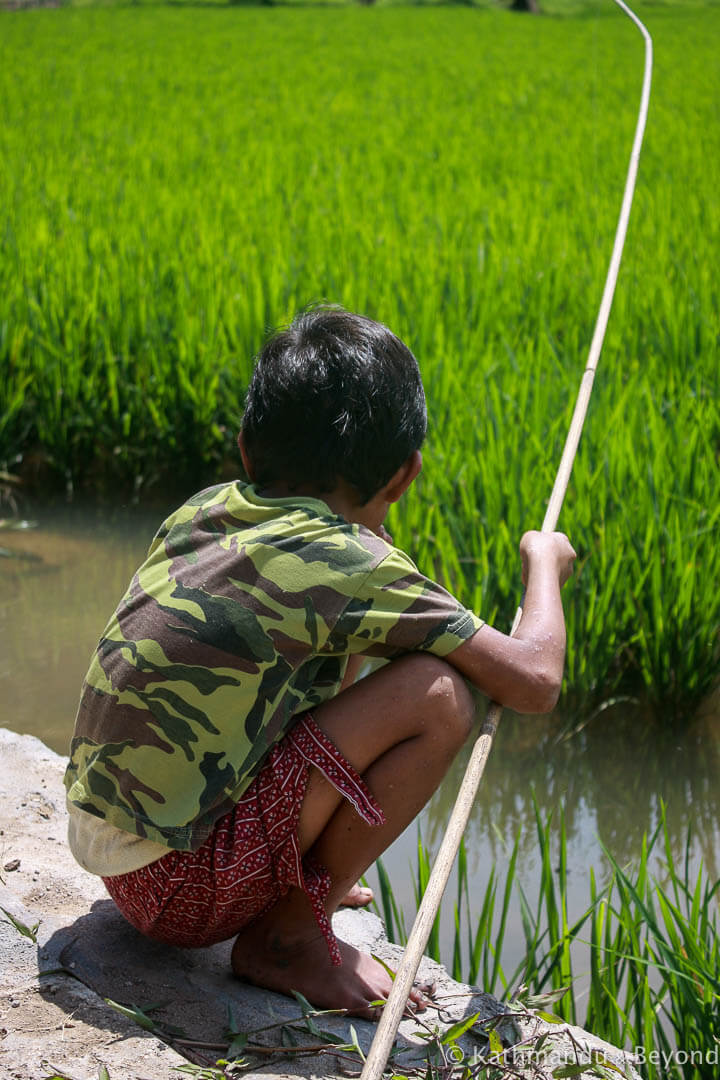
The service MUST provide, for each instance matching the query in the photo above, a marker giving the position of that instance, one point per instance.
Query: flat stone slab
(54, 1015)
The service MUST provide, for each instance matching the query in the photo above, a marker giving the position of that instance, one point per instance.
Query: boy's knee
(449, 699)
(455, 702)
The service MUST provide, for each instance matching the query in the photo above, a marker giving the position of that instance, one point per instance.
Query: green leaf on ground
(459, 1028)
(26, 931)
(134, 1012)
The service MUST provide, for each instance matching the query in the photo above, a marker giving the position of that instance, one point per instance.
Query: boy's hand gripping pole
(396, 1003)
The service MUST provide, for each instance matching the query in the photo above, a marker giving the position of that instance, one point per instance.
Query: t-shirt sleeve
(398, 610)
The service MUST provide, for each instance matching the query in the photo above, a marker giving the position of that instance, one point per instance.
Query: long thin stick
(395, 1006)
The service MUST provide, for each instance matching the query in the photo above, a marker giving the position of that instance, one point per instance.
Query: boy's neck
(342, 501)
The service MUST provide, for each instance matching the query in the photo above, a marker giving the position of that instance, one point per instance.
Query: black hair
(333, 395)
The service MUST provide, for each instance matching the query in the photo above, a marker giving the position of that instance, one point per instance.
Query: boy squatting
(228, 776)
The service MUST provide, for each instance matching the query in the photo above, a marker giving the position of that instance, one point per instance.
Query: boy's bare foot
(358, 896)
(263, 959)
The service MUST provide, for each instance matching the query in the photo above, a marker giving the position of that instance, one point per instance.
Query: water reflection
(57, 592)
(611, 784)
(611, 781)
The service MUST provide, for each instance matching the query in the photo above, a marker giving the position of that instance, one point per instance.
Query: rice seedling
(174, 181)
(641, 959)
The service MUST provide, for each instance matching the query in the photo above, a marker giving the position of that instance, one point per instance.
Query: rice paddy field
(175, 180)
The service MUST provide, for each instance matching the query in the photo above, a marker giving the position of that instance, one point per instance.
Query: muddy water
(67, 575)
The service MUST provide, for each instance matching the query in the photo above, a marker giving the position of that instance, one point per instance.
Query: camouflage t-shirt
(241, 618)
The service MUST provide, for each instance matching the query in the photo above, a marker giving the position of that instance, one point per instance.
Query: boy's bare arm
(525, 672)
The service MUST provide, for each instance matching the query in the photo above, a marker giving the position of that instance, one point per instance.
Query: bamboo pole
(395, 1006)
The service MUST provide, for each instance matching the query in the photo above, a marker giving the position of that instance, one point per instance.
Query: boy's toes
(358, 896)
(417, 1001)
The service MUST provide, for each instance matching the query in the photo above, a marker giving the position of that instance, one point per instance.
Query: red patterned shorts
(251, 859)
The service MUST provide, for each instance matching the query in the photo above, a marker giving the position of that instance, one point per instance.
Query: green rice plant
(176, 180)
(424, 866)
(674, 935)
(393, 916)
(642, 960)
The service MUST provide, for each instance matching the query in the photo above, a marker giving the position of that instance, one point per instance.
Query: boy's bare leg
(400, 728)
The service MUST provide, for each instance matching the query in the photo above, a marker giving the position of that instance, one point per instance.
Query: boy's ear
(398, 484)
(247, 464)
